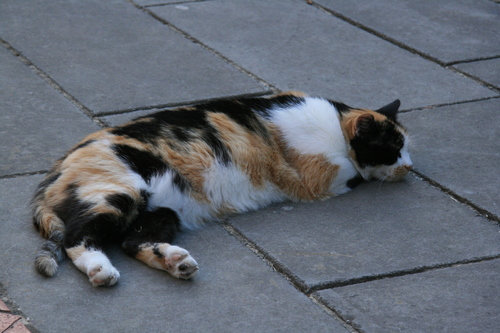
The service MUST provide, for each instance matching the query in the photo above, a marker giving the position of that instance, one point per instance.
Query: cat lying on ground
(140, 182)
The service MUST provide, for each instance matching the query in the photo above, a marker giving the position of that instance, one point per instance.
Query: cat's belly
(228, 185)
(226, 190)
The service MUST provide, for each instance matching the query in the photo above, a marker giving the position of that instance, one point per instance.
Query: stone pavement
(422, 255)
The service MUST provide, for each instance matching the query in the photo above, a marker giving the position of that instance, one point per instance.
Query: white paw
(103, 275)
(179, 263)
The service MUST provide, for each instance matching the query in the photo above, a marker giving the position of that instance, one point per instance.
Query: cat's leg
(87, 234)
(149, 241)
(91, 226)
(92, 261)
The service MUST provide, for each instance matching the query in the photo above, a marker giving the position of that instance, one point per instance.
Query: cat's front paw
(103, 275)
(179, 263)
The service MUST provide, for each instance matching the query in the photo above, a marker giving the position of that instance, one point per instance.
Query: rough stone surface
(235, 291)
(375, 229)
(487, 70)
(449, 30)
(387, 257)
(7, 320)
(37, 125)
(310, 50)
(458, 147)
(112, 56)
(459, 299)
(181, 4)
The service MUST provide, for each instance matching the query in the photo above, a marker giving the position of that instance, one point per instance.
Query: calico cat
(140, 182)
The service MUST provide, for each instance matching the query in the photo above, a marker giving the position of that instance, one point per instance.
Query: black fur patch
(181, 183)
(353, 182)
(72, 211)
(81, 145)
(263, 105)
(123, 202)
(50, 179)
(71, 207)
(158, 226)
(157, 252)
(185, 123)
(144, 131)
(239, 112)
(147, 165)
(341, 107)
(219, 149)
(140, 161)
(377, 143)
(145, 198)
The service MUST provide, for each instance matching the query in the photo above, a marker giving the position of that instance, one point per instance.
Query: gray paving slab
(459, 147)
(296, 46)
(162, 2)
(449, 30)
(111, 55)
(234, 292)
(461, 299)
(37, 124)
(487, 70)
(375, 229)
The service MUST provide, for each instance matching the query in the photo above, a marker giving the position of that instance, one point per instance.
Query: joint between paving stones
(23, 174)
(474, 78)
(448, 104)
(479, 210)
(466, 61)
(347, 323)
(284, 271)
(243, 70)
(446, 65)
(173, 3)
(294, 280)
(410, 271)
(380, 35)
(53, 83)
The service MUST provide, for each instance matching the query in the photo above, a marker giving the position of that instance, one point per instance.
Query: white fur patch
(164, 193)
(312, 127)
(229, 186)
(225, 187)
(98, 268)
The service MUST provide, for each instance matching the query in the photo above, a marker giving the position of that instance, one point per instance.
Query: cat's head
(379, 143)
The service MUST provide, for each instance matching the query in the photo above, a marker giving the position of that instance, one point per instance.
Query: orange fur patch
(292, 93)
(75, 252)
(304, 177)
(350, 119)
(249, 151)
(147, 255)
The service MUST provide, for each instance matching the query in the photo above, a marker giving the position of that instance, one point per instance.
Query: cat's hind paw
(179, 263)
(103, 275)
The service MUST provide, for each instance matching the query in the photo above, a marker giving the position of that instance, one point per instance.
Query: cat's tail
(52, 228)
(50, 254)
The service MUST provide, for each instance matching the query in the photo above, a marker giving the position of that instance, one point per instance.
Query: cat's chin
(389, 174)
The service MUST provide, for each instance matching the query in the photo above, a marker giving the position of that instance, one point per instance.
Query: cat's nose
(408, 166)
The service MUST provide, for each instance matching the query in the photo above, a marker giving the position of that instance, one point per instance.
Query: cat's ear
(364, 124)
(390, 110)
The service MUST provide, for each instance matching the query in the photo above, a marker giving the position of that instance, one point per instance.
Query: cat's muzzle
(399, 172)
